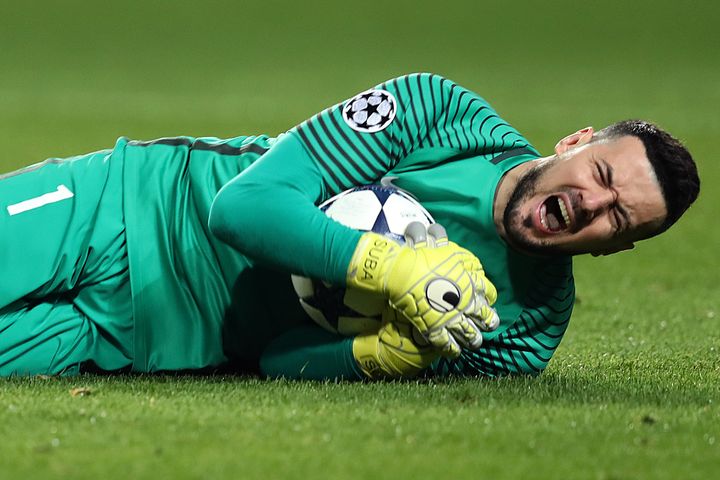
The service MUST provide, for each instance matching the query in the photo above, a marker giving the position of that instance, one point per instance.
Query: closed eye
(622, 219)
(608, 175)
(601, 176)
(619, 225)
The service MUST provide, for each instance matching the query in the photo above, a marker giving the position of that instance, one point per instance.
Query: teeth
(564, 212)
(543, 218)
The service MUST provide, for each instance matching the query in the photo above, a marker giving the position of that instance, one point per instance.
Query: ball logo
(370, 111)
(442, 294)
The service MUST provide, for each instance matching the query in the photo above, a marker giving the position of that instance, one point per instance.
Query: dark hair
(673, 165)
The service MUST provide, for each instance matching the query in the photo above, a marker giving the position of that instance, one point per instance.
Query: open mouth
(554, 214)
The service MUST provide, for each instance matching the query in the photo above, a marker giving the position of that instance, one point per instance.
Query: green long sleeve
(311, 353)
(268, 213)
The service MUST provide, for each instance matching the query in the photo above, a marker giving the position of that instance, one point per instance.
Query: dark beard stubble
(512, 220)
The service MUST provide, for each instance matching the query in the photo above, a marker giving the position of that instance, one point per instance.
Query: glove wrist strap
(367, 269)
(365, 351)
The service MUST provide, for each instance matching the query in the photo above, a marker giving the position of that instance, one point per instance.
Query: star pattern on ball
(329, 299)
(370, 111)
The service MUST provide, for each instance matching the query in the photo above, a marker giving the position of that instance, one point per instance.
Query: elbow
(226, 212)
(217, 219)
(239, 218)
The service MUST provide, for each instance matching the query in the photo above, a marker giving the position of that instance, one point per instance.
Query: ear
(577, 139)
(610, 251)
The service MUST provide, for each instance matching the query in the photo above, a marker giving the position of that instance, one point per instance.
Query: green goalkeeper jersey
(199, 301)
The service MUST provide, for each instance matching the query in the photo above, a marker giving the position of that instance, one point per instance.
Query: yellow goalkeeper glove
(393, 351)
(438, 286)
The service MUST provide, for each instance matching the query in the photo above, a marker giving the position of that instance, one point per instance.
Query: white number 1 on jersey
(62, 193)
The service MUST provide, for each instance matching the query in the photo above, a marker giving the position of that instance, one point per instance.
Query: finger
(486, 318)
(472, 264)
(490, 291)
(466, 332)
(438, 233)
(415, 235)
(491, 320)
(441, 339)
(460, 249)
(484, 287)
(469, 261)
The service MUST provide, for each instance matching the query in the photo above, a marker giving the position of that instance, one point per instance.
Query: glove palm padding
(392, 352)
(437, 286)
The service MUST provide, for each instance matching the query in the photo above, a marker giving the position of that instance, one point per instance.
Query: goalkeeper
(175, 253)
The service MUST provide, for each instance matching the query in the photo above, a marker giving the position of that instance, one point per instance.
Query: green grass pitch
(633, 390)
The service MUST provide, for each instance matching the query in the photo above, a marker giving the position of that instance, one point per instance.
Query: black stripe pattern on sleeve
(425, 111)
(527, 345)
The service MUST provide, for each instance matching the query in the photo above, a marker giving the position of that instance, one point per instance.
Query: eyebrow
(623, 212)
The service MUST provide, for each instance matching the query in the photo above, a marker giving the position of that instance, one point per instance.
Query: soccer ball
(382, 209)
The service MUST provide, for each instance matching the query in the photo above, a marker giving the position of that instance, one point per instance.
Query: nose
(599, 200)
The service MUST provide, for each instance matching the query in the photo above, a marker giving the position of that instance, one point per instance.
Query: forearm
(268, 212)
(310, 353)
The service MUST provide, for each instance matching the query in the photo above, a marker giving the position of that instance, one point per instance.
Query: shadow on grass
(639, 381)
(616, 381)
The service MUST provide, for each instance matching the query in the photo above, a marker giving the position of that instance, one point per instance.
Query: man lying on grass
(174, 254)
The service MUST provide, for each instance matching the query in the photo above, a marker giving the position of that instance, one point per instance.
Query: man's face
(592, 197)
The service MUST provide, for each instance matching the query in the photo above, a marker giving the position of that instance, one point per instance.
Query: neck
(505, 189)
